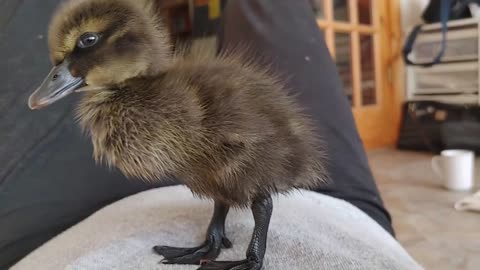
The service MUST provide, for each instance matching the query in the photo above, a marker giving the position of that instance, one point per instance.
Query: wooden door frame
(389, 83)
(392, 89)
(396, 67)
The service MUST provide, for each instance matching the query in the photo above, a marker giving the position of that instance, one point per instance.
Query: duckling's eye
(87, 40)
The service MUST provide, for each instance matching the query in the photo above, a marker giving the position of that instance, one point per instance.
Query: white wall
(412, 12)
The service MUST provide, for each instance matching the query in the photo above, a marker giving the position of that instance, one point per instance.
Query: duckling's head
(96, 44)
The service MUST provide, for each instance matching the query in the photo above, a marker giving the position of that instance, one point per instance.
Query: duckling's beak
(58, 84)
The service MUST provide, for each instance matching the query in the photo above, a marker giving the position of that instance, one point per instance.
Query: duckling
(223, 126)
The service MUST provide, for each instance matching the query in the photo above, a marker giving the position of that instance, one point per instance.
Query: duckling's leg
(209, 250)
(262, 211)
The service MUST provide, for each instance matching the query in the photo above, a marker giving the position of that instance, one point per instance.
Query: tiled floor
(432, 231)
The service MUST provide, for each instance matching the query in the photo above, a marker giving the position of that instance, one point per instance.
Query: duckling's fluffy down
(226, 129)
(221, 125)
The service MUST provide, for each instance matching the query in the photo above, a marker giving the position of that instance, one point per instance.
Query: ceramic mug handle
(436, 165)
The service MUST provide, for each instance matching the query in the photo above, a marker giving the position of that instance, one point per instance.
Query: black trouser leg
(286, 36)
(262, 211)
(209, 250)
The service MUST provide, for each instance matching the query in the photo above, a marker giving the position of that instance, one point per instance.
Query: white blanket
(308, 231)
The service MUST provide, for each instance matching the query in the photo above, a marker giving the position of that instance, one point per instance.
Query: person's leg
(285, 35)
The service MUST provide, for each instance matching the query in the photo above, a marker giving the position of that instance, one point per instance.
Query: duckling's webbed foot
(226, 265)
(209, 250)
(262, 211)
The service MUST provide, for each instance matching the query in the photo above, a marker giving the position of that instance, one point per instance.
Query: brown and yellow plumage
(224, 127)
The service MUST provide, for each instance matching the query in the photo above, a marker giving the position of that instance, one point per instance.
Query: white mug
(455, 168)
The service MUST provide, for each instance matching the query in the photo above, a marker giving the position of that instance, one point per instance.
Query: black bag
(457, 9)
(434, 126)
(437, 11)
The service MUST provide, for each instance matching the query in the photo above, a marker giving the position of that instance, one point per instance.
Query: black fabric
(286, 36)
(457, 9)
(48, 180)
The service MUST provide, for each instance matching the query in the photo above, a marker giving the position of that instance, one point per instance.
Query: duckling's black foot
(207, 251)
(227, 265)
(262, 211)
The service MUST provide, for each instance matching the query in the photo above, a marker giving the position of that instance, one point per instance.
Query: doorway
(364, 38)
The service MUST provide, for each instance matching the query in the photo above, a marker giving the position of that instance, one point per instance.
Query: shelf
(446, 67)
(450, 99)
(457, 78)
(452, 24)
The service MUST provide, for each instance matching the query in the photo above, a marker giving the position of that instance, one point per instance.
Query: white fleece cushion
(308, 231)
